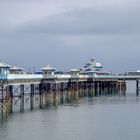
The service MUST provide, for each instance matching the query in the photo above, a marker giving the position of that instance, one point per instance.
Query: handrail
(65, 76)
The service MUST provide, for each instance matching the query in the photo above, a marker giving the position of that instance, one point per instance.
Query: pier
(17, 88)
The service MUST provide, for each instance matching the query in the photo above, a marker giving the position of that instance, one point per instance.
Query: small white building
(4, 70)
(98, 66)
(48, 70)
(74, 71)
(15, 70)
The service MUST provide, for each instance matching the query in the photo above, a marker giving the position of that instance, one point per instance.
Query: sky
(67, 34)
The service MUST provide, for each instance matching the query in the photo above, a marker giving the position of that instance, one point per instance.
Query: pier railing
(24, 76)
(125, 77)
(11, 77)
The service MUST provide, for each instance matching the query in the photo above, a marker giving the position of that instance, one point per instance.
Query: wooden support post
(55, 100)
(76, 94)
(41, 95)
(21, 98)
(137, 87)
(2, 100)
(124, 87)
(72, 90)
(62, 88)
(100, 87)
(109, 87)
(90, 89)
(96, 87)
(82, 89)
(103, 86)
(48, 94)
(86, 88)
(120, 86)
(9, 100)
(44, 98)
(93, 87)
(32, 96)
(69, 86)
(11, 96)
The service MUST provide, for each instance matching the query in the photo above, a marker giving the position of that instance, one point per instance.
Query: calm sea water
(97, 118)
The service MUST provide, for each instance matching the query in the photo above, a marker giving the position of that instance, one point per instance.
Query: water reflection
(77, 116)
(62, 97)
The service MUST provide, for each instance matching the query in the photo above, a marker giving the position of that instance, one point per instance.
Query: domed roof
(4, 65)
(98, 65)
(74, 70)
(48, 68)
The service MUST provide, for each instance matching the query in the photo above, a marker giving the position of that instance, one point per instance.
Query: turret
(48, 70)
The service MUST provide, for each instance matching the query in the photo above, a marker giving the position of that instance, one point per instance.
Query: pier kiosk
(73, 83)
(49, 87)
(4, 70)
(15, 70)
(48, 70)
(74, 72)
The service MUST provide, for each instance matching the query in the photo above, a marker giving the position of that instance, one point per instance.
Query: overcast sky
(67, 34)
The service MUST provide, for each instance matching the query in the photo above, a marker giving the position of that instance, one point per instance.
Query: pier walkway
(17, 78)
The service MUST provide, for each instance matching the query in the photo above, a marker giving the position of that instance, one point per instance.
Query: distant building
(16, 70)
(137, 72)
(98, 66)
(74, 71)
(48, 70)
(94, 67)
(4, 70)
(58, 72)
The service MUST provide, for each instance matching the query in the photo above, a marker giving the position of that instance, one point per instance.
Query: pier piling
(21, 98)
(32, 96)
(137, 87)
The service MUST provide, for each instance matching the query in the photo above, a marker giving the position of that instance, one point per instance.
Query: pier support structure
(21, 98)
(137, 87)
(50, 92)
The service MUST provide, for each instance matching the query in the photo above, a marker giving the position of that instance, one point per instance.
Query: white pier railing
(24, 76)
(125, 77)
(65, 77)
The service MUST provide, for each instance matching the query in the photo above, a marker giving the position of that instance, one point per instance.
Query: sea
(104, 117)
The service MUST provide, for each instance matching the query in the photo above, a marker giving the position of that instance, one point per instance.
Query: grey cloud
(94, 21)
(67, 40)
